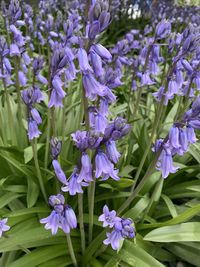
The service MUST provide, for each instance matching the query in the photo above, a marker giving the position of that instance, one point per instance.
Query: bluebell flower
(73, 186)
(112, 152)
(83, 60)
(59, 172)
(3, 226)
(33, 131)
(114, 238)
(86, 169)
(108, 218)
(52, 222)
(104, 167)
(62, 216)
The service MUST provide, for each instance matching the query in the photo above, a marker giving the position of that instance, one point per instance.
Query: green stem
(81, 224)
(39, 175)
(17, 84)
(71, 250)
(91, 196)
(140, 185)
(10, 117)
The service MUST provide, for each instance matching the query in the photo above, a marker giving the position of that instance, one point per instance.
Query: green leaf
(7, 198)
(133, 255)
(28, 152)
(32, 194)
(176, 233)
(170, 205)
(39, 256)
(186, 252)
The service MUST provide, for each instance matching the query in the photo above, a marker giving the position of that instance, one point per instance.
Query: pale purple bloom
(104, 167)
(174, 137)
(100, 123)
(56, 200)
(114, 238)
(73, 186)
(83, 60)
(59, 172)
(97, 64)
(33, 131)
(86, 169)
(56, 146)
(108, 217)
(62, 216)
(70, 217)
(36, 116)
(14, 50)
(92, 87)
(102, 51)
(3, 226)
(163, 29)
(165, 164)
(112, 152)
(52, 222)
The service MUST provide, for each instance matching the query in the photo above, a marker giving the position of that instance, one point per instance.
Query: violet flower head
(59, 172)
(163, 29)
(104, 167)
(3, 226)
(108, 218)
(33, 131)
(56, 146)
(86, 169)
(62, 216)
(121, 228)
(73, 185)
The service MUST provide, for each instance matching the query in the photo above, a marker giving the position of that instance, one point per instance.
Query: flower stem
(81, 224)
(10, 117)
(91, 196)
(71, 250)
(39, 175)
(17, 84)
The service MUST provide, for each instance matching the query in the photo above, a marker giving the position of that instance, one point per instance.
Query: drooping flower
(3, 226)
(62, 216)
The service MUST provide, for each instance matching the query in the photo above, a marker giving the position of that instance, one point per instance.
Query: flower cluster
(181, 135)
(62, 216)
(121, 228)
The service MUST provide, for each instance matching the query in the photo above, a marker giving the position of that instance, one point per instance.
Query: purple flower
(52, 222)
(14, 50)
(56, 200)
(92, 87)
(22, 78)
(163, 29)
(114, 238)
(56, 147)
(102, 51)
(104, 167)
(86, 169)
(174, 137)
(97, 64)
(59, 172)
(33, 131)
(100, 123)
(36, 116)
(62, 216)
(108, 217)
(112, 152)
(3, 226)
(57, 93)
(73, 186)
(70, 217)
(83, 60)
(81, 139)
(165, 164)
